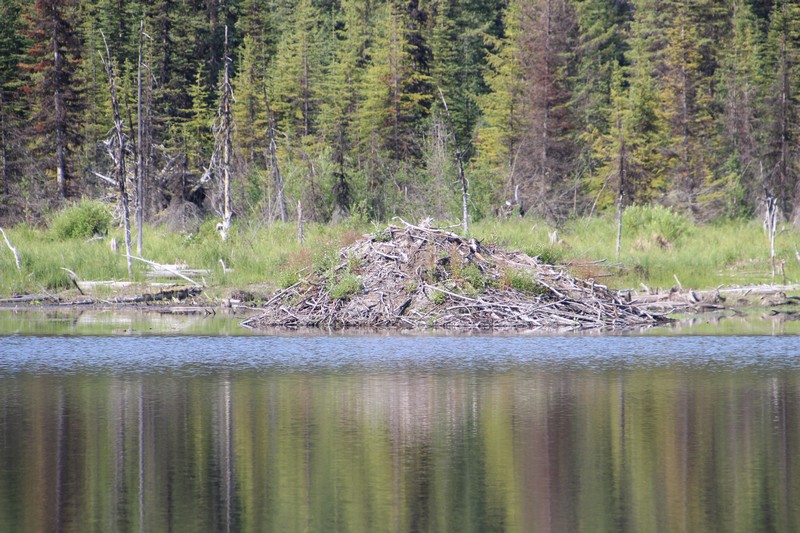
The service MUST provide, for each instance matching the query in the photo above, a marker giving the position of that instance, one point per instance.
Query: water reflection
(394, 434)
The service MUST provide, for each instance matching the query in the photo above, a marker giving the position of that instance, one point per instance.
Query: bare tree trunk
(139, 147)
(13, 250)
(273, 161)
(116, 148)
(61, 164)
(225, 132)
(300, 235)
(3, 148)
(140, 172)
(622, 184)
(771, 225)
(461, 176)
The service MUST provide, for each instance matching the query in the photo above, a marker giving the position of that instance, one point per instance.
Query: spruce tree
(53, 90)
(11, 47)
(648, 133)
(780, 134)
(735, 188)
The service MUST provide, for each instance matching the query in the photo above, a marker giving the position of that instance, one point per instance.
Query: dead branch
(13, 251)
(168, 268)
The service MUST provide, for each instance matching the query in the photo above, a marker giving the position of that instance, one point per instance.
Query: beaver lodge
(419, 277)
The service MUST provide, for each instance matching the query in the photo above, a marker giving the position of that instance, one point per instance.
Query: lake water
(137, 423)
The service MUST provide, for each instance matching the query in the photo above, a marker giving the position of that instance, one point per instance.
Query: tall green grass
(259, 256)
(657, 247)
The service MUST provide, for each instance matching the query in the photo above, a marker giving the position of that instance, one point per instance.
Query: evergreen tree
(735, 189)
(782, 69)
(294, 78)
(339, 113)
(500, 131)
(687, 96)
(602, 26)
(543, 152)
(648, 130)
(11, 47)
(397, 96)
(53, 90)
(197, 136)
(249, 106)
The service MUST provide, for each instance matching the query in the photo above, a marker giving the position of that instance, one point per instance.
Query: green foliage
(346, 286)
(261, 258)
(557, 107)
(80, 221)
(438, 297)
(473, 276)
(659, 221)
(288, 279)
(546, 253)
(524, 282)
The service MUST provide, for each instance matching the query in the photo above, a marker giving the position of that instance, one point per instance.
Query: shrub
(656, 221)
(438, 297)
(287, 279)
(474, 278)
(524, 283)
(80, 221)
(545, 253)
(347, 286)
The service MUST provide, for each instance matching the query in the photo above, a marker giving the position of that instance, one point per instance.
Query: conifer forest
(377, 108)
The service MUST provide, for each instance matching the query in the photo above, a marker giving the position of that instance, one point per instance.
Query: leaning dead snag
(417, 277)
(13, 250)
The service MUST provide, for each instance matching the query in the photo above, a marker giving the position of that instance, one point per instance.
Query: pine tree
(543, 153)
(53, 89)
(294, 77)
(11, 46)
(602, 26)
(734, 190)
(397, 97)
(782, 69)
(648, 129)
(499, 133)
(249, 106)
(687, 97)
(197, 136)
(339, 112)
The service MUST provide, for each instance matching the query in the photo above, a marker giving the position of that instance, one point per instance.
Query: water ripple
(389, 353)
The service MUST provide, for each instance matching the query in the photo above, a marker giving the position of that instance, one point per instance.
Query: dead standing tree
(771, 216)
(277, 177)
(220, 164)
(461, 176)
(143, 138)
(116, 145)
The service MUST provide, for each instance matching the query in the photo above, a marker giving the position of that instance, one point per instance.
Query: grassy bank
(657, 247)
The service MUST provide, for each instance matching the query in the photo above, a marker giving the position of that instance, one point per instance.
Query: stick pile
(420, 277)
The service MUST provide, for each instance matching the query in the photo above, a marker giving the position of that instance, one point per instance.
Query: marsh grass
(657, 247)
(655, 250)
(264, 256)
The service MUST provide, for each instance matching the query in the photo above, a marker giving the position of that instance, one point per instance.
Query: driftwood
(419, 277)
(169, 270)
(163, 295)
(690, 300)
